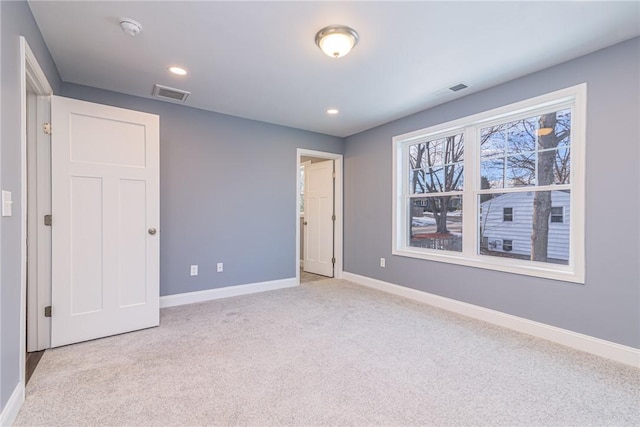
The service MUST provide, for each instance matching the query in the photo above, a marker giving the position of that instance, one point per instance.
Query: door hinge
(333, 175)
(333, 260)
(46, 128)
(47, 311)
(47, 220)
(333, 217)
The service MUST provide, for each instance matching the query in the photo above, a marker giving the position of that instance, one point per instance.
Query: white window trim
(302, 167)
(575, 270)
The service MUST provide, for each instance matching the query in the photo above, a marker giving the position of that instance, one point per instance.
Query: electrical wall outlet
(7, 203)
(219, 267)
(382, 262)
(194, 270)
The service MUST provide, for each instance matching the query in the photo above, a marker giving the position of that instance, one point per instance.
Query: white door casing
(39, 235)
(318, 213)
(105, 200)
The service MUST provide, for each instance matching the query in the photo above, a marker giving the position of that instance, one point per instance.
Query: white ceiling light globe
(336, 40)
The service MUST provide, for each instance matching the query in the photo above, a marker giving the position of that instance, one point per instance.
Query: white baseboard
(10, 411)
(610, 350)
(226, 292)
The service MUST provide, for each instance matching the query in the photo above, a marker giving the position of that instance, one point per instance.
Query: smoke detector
(130, 26)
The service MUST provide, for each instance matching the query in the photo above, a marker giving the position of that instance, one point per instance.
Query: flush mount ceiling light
(130, 26)
(178, 70)
(332, 111)
(336, 40)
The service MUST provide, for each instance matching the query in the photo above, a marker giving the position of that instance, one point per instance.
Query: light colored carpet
(326, 353)
(306, 277)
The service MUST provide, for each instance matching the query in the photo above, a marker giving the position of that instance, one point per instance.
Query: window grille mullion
(471, 183)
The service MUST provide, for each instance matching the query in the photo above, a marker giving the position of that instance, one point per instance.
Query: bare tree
(436, 169)
(534, 157)
(548, 139)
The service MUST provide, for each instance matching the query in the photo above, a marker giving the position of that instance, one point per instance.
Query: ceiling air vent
(458, 87)
(165, 92)
(446, 91)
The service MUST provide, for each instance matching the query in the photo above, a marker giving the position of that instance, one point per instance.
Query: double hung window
(557, 214)
(507, 214)
(502, 190)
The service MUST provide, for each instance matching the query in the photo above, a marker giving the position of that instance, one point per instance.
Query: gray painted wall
(227, 193)
(16, 20)
(608, 305)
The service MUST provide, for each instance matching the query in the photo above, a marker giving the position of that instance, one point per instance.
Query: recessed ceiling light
(177, 70)
(332, 111)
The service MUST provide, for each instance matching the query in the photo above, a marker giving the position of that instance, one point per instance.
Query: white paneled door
(318, 218)
(105, 208)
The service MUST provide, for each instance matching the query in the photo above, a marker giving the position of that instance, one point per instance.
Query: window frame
(303, 186)
(573, 97)
(556, 215)
(506, 215)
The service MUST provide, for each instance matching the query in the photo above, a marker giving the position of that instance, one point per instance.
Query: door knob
(304, 223)
(152, 231)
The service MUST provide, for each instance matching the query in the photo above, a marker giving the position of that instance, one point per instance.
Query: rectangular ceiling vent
(170, 93)
(458, 87)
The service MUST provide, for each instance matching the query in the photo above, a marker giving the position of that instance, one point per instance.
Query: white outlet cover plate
(7, 203)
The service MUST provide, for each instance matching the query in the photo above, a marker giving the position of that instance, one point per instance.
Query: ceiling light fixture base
(130, 26)
(337, 40)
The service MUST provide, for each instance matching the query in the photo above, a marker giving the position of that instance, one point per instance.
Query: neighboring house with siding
(507, 220)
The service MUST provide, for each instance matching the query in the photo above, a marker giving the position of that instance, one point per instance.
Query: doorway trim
(31, 75)
(38, 196)
(338, 207)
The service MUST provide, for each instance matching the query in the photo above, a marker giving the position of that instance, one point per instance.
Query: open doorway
(319, 215)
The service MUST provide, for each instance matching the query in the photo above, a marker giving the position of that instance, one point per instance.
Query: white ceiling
(258, 59)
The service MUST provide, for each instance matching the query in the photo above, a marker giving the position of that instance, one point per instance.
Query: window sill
(565, 273)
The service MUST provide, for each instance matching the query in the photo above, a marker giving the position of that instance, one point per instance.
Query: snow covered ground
(422, 221)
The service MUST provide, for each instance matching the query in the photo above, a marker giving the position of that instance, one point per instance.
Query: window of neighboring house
(557, 214)
(507, 214)
(528, 156)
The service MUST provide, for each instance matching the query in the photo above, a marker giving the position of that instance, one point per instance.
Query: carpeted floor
(306, 277)
(326, 353)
